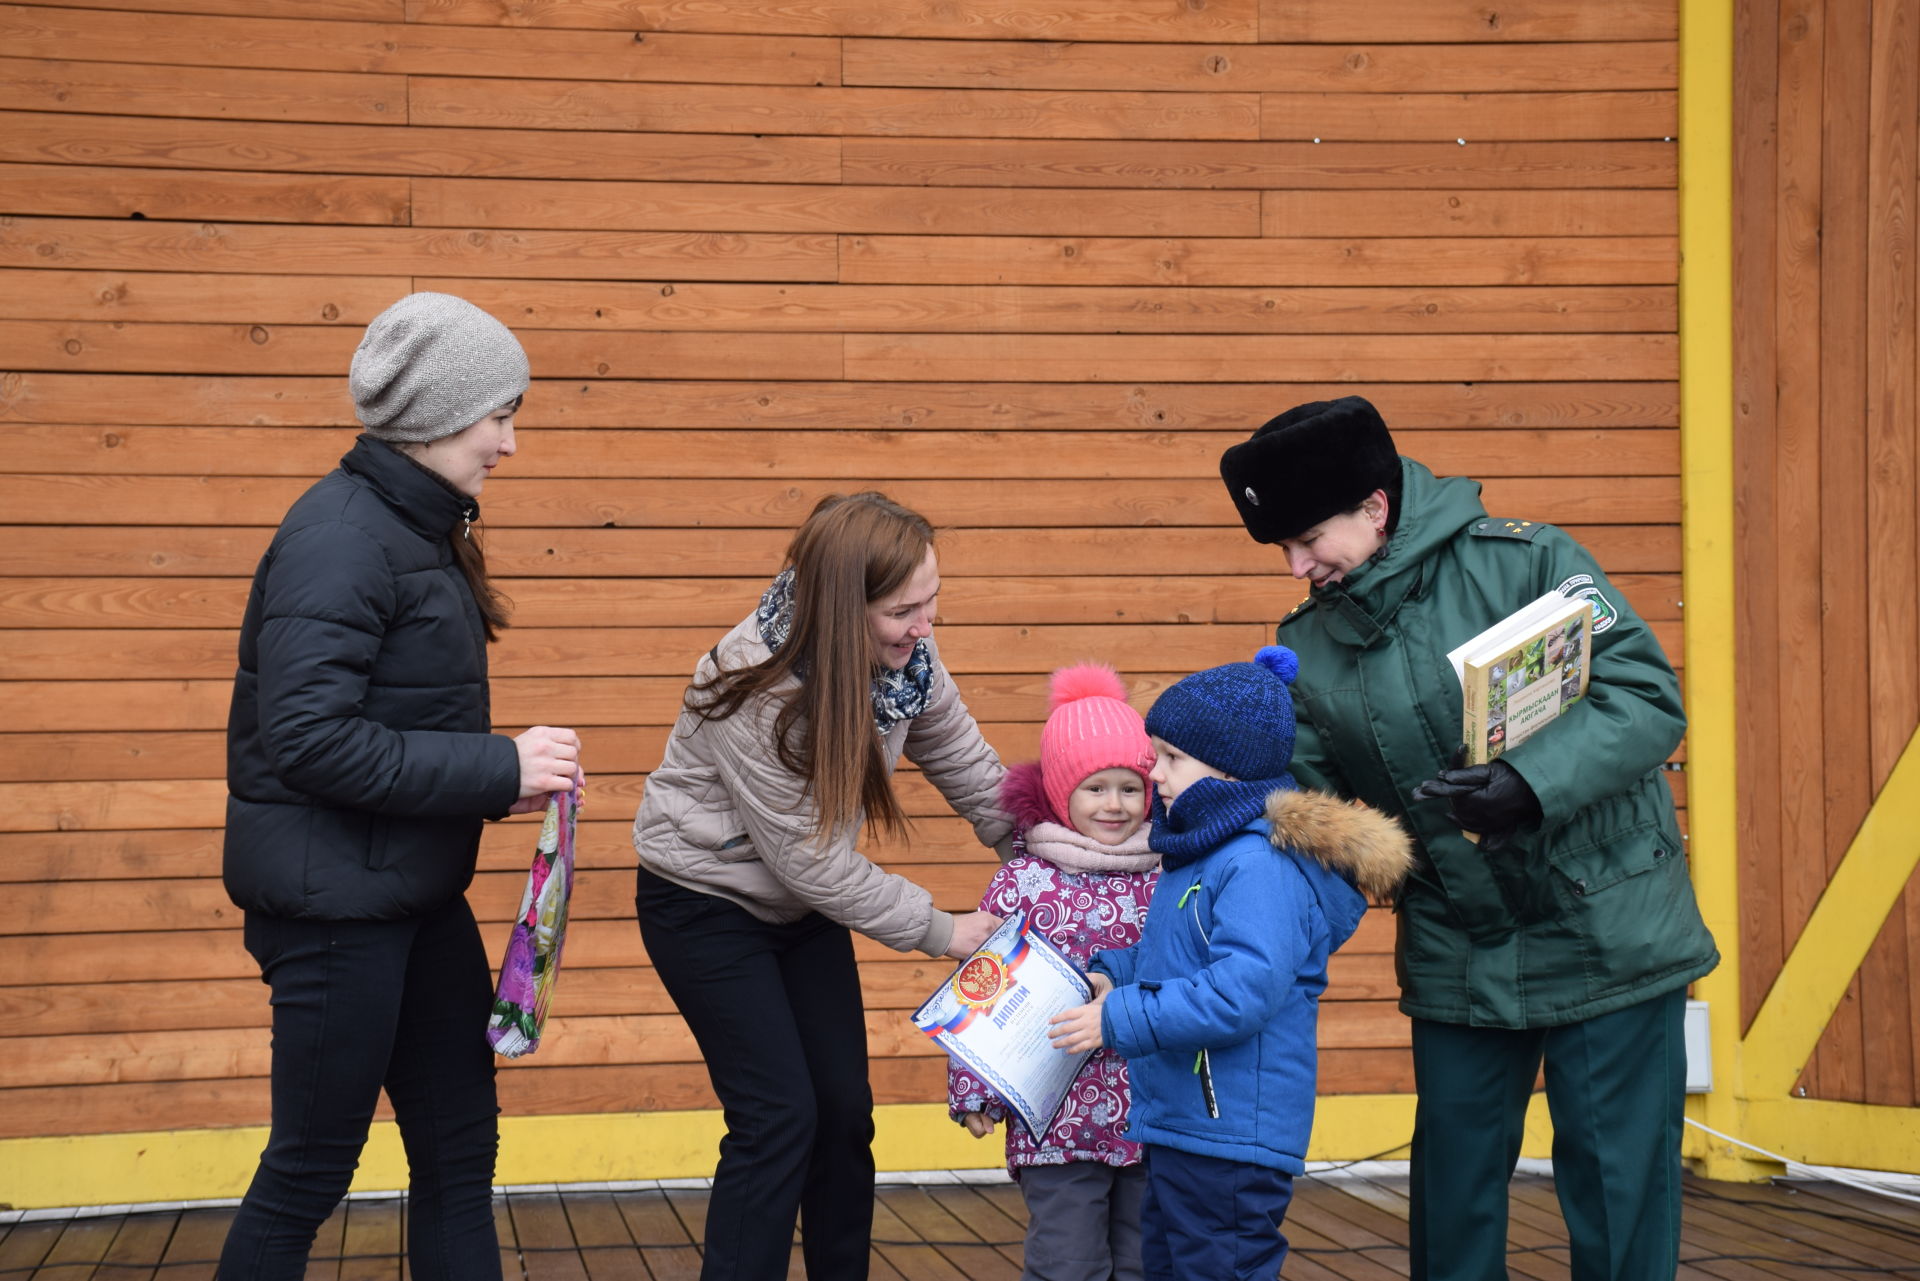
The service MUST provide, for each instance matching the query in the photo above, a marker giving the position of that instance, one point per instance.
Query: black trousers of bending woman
(359, 1006)
(778, 1015)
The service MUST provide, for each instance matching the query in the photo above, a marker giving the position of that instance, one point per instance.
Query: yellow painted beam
(1851, 910)
(197, 1165)
(1706, 465)
(1858, 1136)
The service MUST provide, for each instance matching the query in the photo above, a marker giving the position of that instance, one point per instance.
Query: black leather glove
(1492, 800)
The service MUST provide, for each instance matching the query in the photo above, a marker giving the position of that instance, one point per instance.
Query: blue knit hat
(1237, 718)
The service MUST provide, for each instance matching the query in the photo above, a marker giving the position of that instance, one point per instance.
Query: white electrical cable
(1821, 1171)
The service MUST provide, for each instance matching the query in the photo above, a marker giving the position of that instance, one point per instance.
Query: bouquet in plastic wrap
(532, 964)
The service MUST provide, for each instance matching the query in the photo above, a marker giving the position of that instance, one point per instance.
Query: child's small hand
(1100, 984)
(978, 1124)
(1079, 1028)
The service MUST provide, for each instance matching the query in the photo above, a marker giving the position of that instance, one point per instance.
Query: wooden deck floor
(1345, 1226)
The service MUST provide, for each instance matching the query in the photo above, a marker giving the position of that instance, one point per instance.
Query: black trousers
(777, 1012)
(358, 1006)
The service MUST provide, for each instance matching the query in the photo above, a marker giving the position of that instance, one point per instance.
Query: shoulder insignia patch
(1581, 587)
(1305, 604)
(1494, 527)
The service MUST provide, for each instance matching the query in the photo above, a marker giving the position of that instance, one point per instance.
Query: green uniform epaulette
(1306, 603)
(1494, 527)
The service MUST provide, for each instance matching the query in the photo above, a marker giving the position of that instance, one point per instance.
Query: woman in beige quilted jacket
(750, 886)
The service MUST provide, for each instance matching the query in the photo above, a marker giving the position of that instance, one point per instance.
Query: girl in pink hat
(1083, 874)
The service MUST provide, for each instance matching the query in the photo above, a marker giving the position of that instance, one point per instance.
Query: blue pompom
(1279, 660)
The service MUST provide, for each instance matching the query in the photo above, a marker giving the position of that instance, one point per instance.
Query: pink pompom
(1084, 680)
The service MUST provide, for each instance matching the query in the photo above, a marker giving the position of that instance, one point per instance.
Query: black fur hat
(1314, 461)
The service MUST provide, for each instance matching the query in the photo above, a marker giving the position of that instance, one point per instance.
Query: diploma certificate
(991, 1014)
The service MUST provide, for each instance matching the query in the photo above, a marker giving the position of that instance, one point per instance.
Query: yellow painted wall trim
(1706, 465)
(1859, 1136)
(198, 1165)
(1846, 920)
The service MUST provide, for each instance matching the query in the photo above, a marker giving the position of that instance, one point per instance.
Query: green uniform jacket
(1592, 911)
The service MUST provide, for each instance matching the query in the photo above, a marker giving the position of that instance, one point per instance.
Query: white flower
(1034, 880)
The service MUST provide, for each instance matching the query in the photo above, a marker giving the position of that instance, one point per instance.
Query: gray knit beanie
(432, 365)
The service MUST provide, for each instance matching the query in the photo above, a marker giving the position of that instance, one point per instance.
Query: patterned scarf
(1207, 813)
(897, 696)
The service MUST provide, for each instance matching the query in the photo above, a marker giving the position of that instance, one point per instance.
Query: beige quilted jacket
(722, 816)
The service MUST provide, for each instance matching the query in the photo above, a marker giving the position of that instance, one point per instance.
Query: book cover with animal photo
(1521, 674)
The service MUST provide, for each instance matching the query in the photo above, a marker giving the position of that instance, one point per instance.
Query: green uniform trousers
(1615, 1089)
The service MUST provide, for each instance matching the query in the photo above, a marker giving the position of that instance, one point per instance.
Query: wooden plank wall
(1828, 589)
(1027, 266)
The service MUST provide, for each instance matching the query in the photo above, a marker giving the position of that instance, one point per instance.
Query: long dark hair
(852, 550)
(495, 605)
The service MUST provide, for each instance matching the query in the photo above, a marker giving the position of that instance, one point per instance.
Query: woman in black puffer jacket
(360, 764)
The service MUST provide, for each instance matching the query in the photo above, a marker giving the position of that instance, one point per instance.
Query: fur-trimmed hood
(1023, 794)
(1361, 844)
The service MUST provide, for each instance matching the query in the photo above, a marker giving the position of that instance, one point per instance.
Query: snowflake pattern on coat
(1080, 913)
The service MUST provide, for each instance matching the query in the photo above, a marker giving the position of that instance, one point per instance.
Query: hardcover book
(1522, 673)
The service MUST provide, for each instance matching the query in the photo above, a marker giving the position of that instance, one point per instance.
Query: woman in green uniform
(1569, 933)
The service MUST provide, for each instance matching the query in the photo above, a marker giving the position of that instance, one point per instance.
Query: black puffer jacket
(360, 757)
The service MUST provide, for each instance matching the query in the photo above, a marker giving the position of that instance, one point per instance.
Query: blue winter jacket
(1232, 962)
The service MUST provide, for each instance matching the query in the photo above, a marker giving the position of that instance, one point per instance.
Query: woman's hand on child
(970, 930)
(978, 1124)
(1079, 1028)
(549, 762)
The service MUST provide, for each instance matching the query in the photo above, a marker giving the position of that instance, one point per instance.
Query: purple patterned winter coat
(1080, 913)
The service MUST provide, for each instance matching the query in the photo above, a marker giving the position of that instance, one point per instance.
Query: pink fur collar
(1024, 796)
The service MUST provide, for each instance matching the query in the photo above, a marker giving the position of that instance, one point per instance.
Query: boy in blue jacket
(1215, 1007)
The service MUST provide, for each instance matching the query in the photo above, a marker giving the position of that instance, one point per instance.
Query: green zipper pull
(1184, 896)
(1203, 1068)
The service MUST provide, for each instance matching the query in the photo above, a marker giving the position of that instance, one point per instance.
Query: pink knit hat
(1091, 728)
